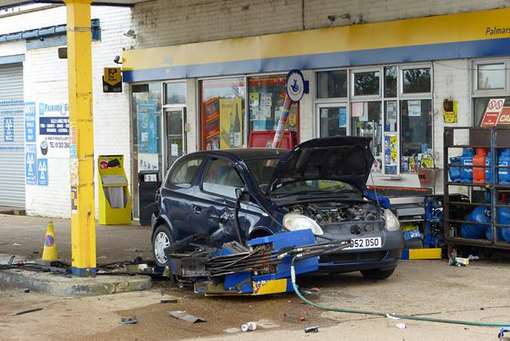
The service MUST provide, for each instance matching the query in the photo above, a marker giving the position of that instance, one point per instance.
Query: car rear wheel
(161, 240)
(377, 274)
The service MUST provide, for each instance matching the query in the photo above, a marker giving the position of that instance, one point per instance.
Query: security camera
(117, 60)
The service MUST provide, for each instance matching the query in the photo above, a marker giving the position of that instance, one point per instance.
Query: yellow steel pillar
(79, 54)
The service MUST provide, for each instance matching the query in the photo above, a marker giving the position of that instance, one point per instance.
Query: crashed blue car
(238, 195)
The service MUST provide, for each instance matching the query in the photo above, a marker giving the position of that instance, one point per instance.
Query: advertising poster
(148, 117)
(211, 124)
(414, 108)
(52, 138)
(390, 153)
(30, 164)
(231, 118)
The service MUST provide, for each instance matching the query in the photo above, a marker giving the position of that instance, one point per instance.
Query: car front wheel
(161, 240)
(377, 274)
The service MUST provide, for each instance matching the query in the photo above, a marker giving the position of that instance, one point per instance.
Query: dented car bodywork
(319, 185)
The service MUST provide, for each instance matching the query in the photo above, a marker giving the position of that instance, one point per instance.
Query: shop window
(490, 76)
(366, 83)
(175, 93)
(366, 120)
(390, 81)
(333, 120)
(480, 104)
(332, 84)
(222, 113)
(416, 134)
(416, 80)
(266, 97)
(146, 104)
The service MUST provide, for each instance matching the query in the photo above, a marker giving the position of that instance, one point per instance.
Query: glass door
(333, 120)
(175, 135)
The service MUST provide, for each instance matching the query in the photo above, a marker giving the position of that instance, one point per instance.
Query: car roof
(246, 154)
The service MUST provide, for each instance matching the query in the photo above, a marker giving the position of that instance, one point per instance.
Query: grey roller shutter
(12, 123)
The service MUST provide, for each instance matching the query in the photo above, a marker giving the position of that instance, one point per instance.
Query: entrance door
(175, 135)
(333, 119)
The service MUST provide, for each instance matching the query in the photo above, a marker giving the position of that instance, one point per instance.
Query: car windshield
(312, 187)
(263, 170)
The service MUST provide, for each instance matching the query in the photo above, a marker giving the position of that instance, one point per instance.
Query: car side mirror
(242, 195)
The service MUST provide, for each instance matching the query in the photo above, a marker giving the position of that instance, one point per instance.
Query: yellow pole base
(50, 253)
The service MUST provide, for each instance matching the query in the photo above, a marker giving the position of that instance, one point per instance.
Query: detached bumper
(384, 258)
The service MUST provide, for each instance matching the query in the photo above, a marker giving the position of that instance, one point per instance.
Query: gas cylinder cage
(464, 194)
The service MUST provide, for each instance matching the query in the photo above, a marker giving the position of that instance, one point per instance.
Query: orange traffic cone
(50, 253)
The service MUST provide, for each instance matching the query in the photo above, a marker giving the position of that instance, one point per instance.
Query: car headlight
(391, 221)
(294, 222)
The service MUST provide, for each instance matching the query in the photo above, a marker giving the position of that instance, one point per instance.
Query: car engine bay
(334, 217)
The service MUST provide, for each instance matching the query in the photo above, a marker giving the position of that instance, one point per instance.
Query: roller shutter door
(12, 123)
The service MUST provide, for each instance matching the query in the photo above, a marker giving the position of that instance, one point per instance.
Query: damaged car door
(217, 200)
(178, 193)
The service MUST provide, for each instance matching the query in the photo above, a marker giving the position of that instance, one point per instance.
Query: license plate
(365, 243)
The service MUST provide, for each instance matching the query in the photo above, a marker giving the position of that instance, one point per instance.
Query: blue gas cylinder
(466, 159)
(504, 160)
(479, 215)
(453, 171)
(488, 168)
(503, 217)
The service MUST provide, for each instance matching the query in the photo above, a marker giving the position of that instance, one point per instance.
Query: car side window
(221, 178)
(184, 173)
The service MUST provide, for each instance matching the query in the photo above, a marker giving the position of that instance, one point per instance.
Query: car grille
(373, 256)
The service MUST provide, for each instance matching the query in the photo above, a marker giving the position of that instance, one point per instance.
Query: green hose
(387, 315)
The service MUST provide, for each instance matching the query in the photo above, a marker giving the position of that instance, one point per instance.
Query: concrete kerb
(60, 285)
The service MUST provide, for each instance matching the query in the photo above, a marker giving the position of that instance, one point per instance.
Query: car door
(214, 209)
(177, 195)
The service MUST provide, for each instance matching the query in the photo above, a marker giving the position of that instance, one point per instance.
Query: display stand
(114, 198)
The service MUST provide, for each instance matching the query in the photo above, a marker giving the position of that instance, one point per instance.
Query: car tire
(377, 274)
(161, 239)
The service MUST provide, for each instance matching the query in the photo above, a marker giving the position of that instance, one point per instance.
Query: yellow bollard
(50, 253)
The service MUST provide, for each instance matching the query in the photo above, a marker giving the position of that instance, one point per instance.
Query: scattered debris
(182, 315)
(168, 299)
(502, 331)
(231, 330)
(28, 311)
(266, 324)
(401, 326)
(312, 329)
(249, 326)
(128, 320)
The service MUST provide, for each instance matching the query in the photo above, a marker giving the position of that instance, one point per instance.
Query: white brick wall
(164, 22)
(45, 80)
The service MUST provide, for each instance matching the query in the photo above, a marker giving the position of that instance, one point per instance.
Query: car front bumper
(384, 258)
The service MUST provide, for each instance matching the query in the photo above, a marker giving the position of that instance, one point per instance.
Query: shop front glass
(366, 121)
(391, 104)
(222, 111)
(266, 95)
(416, 134)
(146, 132)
